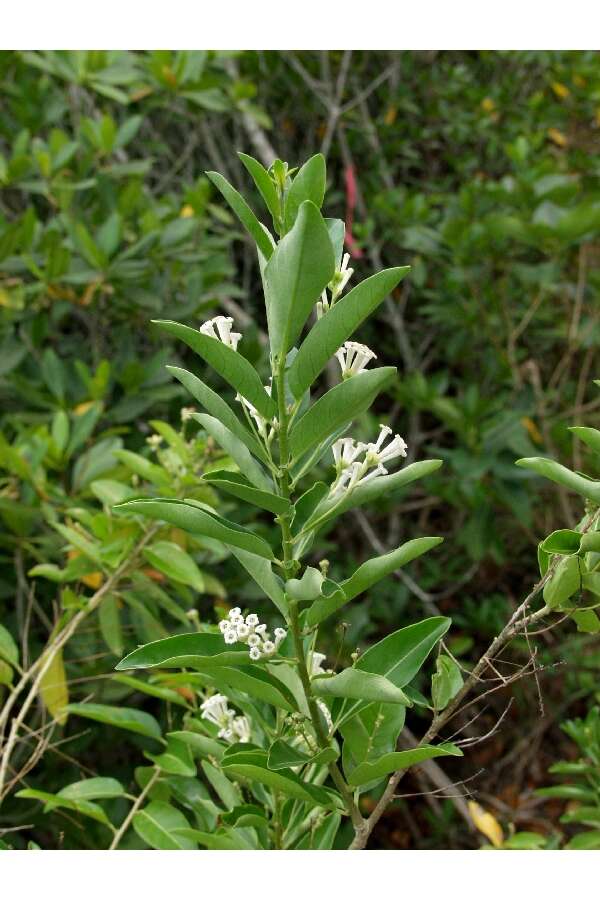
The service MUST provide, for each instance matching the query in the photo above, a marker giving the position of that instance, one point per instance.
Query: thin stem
(289, 568)
(129, 817)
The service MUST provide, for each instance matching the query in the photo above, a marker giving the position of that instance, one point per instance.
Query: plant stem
(294, 621)
(129, 817)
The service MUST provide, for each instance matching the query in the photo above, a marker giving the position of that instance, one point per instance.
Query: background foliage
(477, 169)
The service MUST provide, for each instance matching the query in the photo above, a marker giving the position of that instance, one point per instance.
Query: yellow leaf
(486, 823)
(561, 90)
(532, 429)
(390, 116)
(53, 689)
(187, 211)
(92, 579)
(558, 137)
(488, 105)
(82, 407)
(579, 81)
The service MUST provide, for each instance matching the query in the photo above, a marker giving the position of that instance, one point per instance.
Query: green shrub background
(478, 169)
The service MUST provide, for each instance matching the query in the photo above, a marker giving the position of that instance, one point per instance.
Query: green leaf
(252, 764)
(55, 801)
(8, 647)
(323, 837)
(196, 650)
(548, 468)
(184, 514)
(400, 655)
(300, 268)
(446, 682)
(176, 759)
(358, 685)
(157, 825)
(200, 744)
(284, 756)
(257, 682)
(261, 571)
(93, 789)
(308, 184)
(254, 228)
(118, 716)
(395, 762)
(586, 620)
(588, 840)
(563, 583)
(175, 563)
(228, 363)
(110, 624)
(382, 486)
(329, 333)
(216, 840)
(369, 574)
(371, 733)
(337, 407)
(236, 450)
(143, 467)
(153, 690)
(565, 541)
(219, 409)
(235, 484)
(265, 185)
(589, 436)
(227, 792)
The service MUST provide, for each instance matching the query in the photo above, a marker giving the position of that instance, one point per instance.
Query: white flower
(230, 636)
(280, 636)
(250, 631)
(255, 653)
(262, 424)
(345, 451)
(215, 709)
(351, 471)
(224, 625)
(252, 620)
(241, 729)
(235, 613)
(243, 631)
(336, 287)
(314, 665)
(268, 648)
(377, 454)
(254, 640)
(154, 441)
(354, 358)
(225, 335)
(261, 629)
(186, 413)
(326, 714)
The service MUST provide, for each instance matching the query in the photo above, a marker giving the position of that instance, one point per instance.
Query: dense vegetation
(477, 170)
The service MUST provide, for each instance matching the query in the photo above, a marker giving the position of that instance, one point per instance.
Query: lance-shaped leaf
(400, 655)
(382, 486)
(257, 682)
(199, 651)
(219, 409)
(446, 682)
(184, 514)
(54, 801)
(261, 571)
(284, 756)
(548, 468)
(371, 733)
(337, 407)
(308, 184)
(236, 450)
(163, 827)
(176, 758)
(337, 236)
(367, 575)
(175, 563)
(244, 213)
(118, 716)
(236, 484)
(228, 363)
(337, 325)
(589, 436)
(396, 762)
(252, 764)
(265, 185)
(300, 268)
(354, 684)
(93, 789)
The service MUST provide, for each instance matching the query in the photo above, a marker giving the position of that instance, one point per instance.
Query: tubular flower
(262, 424)
(336, 287)
(315, 661)
(352, 471)
(251, 632)
(224, 333)
(354, 358)
(231, 727)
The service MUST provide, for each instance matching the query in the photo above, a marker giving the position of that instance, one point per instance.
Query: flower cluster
(231, 727)
(223, 333)
(352, 471)
(249, 631)
(187, 413)
(354, 358)
(336, 286)
(263, 425)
